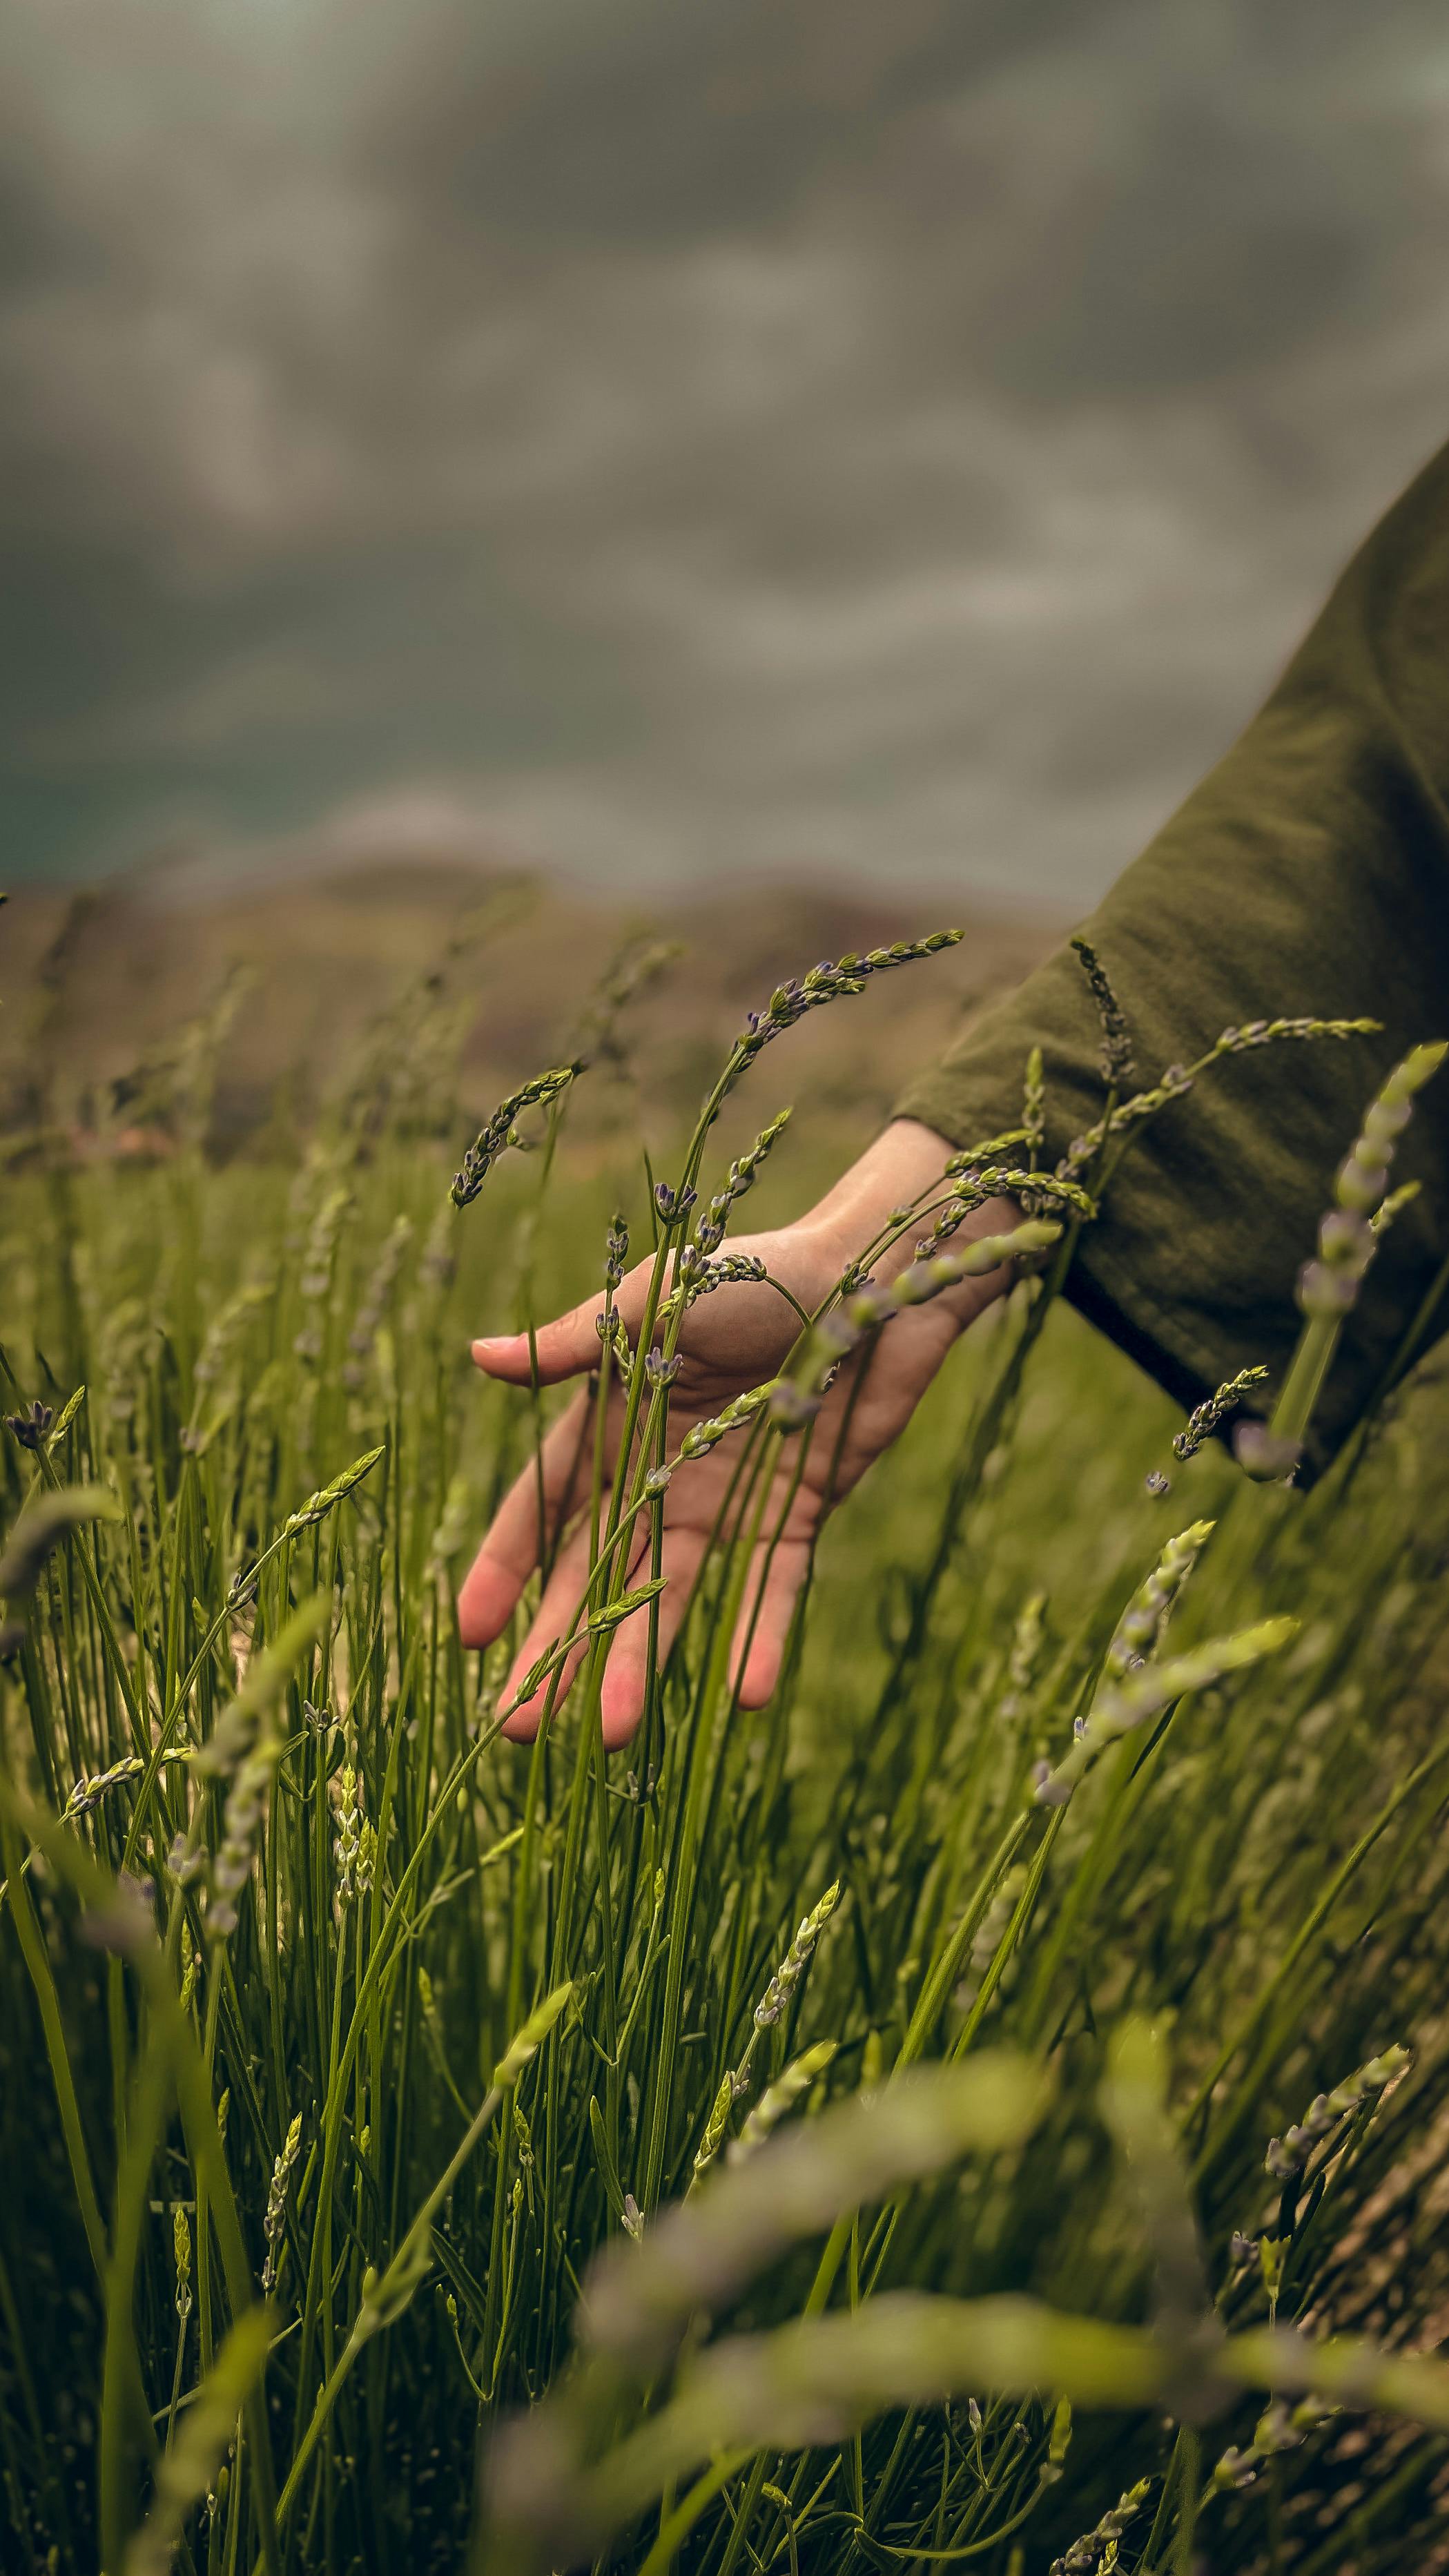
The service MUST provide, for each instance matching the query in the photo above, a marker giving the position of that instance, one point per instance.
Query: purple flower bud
(1384, 1123)
(1361, 1183)
(1235, 2469)
(792, 1405)
(125, 1920)
(1326, 1292)
(1346, 1239)
(673, 1205)
(31, 1426)
(1262, 1454)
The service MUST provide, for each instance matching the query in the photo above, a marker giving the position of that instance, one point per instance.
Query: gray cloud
(662, 440)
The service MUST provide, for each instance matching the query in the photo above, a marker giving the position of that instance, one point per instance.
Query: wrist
(905, 1164)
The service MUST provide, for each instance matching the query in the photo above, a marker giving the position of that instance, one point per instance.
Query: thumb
(569, 1345)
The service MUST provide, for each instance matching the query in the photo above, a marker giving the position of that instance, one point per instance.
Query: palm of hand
(730, 1341)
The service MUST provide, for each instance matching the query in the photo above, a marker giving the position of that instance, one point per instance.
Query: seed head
(1140, 1628)
(318, 1505)
(31, 1426)
(89, 1790)
(792, 1967)
(830, 981)
(1289, 2154)
(741, 1177)
(241, 1825)
(1265, 1455)
(714, 2127)
(349, 1833)
(729, 1270)
(1126, 1703)
(1116, 1056)
(1209, 1414)
(276, 2210)
(674, 1204)
(1033, 1104)
(1097, 2548)
(1328, 1287)
(495, 1138)
(740, 1410)
(616, 1253)
(181, 2255)
(780, 2098)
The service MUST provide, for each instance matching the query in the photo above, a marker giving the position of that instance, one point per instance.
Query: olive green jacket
(1307, 875)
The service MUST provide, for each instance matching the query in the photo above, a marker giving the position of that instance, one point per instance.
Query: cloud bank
(670, 440)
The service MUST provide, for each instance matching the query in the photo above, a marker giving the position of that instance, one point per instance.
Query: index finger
(568, 1345)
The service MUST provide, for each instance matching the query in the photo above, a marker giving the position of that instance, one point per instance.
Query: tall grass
(916, 2062)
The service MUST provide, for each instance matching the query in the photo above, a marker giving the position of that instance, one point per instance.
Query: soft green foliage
(1003, 1943)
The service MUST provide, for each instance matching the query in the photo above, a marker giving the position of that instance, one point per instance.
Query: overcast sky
(663, 437)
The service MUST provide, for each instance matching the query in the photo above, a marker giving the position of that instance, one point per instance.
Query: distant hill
(93, 982)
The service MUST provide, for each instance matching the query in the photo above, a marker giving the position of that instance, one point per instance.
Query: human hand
(730, 1341)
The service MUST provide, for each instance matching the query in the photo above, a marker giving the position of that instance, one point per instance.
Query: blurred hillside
(105, 990)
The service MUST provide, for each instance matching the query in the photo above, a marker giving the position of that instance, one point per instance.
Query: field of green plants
(986, 2107)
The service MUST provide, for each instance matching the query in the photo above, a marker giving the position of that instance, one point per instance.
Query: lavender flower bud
(1263, 1455)
(616, 1253)
(1384, 1124)
(500, 1135)
(1209, 1414)
(1235, 2469)
(1117, 1067)
(1345, 1239)
(1324, 1291)
(1362, 1182)
(673, 1205)
(792, 1967)
(31, 1426)
(792, 1406)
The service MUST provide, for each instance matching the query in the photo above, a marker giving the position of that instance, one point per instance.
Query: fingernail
(493, 1342)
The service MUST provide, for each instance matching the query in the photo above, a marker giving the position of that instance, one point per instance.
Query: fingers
(555, 1616)
(763, 1629)
(626, 1674)
(778, 1571)
(566, 1347)
(558, 1612)
(510, 1551)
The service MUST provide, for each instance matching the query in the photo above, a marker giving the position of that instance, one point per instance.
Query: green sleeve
(1307, 875)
